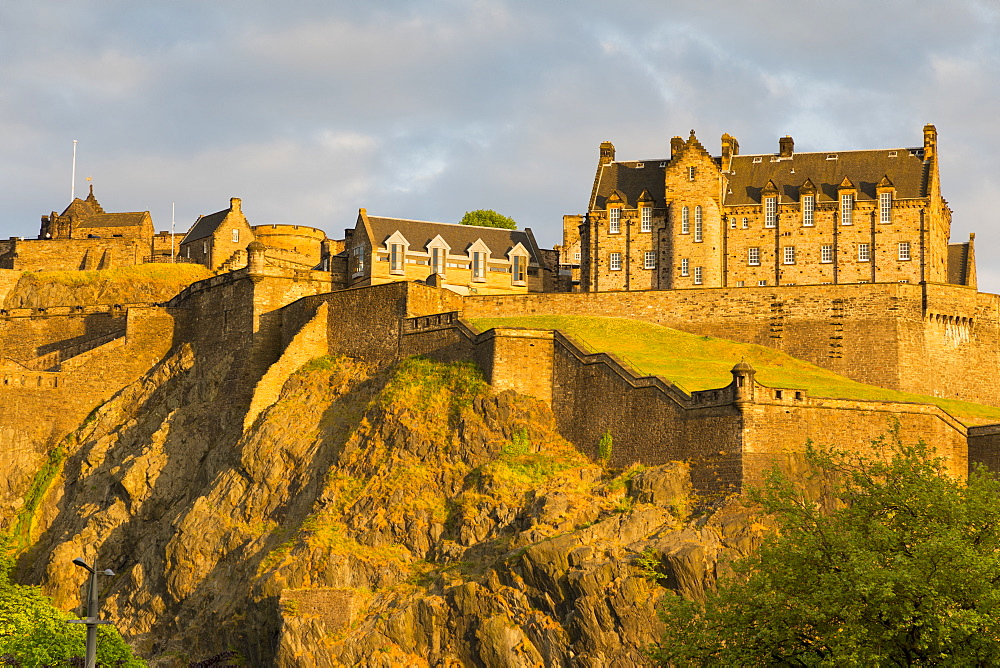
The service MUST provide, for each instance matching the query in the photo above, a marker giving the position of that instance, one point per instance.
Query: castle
(912, 321)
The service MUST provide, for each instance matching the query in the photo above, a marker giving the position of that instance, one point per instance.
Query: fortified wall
(933, 339)
(259, 324)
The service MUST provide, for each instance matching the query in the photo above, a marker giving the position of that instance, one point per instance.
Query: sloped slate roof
(459, 237)
(958, 263)
(79, 209)
(130, 219)
(630, 180)
(865, 169)
(205, 226)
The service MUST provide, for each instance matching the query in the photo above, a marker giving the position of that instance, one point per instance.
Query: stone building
(696, 220)
(216, 237)
(465, 259)
(83, 236)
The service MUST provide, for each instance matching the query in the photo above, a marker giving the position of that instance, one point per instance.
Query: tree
(35, 633)
(901, 569)
(488, 218)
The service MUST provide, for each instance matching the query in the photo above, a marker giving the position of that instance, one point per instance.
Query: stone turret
(255, 256)
(743, 382)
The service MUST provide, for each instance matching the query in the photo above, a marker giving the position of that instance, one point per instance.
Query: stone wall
(74, 254)
(934, 339)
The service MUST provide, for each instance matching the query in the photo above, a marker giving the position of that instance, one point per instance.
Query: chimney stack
(785, 146)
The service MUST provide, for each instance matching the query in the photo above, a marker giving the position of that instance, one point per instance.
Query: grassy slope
(703, 362)
(154, 273)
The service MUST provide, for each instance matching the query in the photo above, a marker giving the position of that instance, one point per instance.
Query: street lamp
(93, 609)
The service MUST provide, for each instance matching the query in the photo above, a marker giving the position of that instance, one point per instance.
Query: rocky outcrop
(410, 516)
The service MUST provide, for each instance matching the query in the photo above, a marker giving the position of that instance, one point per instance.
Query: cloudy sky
(310, 109)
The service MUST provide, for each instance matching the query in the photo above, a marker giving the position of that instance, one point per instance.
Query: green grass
(695, 362)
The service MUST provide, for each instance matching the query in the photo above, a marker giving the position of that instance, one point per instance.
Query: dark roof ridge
(437, 222)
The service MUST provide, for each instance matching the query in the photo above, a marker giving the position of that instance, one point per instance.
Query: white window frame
(846, 209)
(903, 250)
(826, 253)
(439, 259)
(397, 258)
(864, 253)
(761, 283)
(478, 266)
(646, 219)
(685, 266)
(885, 207)
(649, 260)
(236, 235)
(788, 255)
(615, 262)
(691, 173)
(614, 220)
(698, 228)
(697, 276)
(746, 223)
(753, 256)
(808, 210)
(732, 223)
(770, 212)
(519, 270)
(686, 220)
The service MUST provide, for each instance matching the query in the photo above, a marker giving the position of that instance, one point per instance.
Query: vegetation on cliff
(896, 563)
(703, 362)
(33, 632)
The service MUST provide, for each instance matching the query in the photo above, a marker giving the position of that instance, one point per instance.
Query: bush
(488, 218)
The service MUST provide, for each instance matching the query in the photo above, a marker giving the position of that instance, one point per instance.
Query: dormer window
(646, 219)
(808, 210)
(770, 212)
(437, 260)
(614, 220)
(519, 270)
(396, 258)
(846, 209)
(758, 159)
(885, 207)
(478, 266)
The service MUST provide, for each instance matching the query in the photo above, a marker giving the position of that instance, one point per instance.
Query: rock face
(410, 516)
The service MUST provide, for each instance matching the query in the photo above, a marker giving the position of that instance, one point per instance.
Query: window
(691, 172)
(808, 210)
(697, 224)
(732, 223)
(739, 284)
(789, 255)
(770, 212)
(697, 275)
(746, 223)
(576, 256)
(904, 250)
(236, 236)
(650, 260)
(615, 263)
(437, 260)
(684, 266)
(846, 209)
(753, 256)
(396, 257)
(761, 282)
(685, 220)
(614, 220)
(885, 207)
(646, 219)
(204, 248)
(478, 266)
(826, 253)
(358, 257)
(518, 269)
(864, 252)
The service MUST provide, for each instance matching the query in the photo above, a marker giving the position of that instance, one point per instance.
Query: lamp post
(93, 609)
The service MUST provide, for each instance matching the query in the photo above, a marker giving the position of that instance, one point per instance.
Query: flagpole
(173, 257)
(72, 186)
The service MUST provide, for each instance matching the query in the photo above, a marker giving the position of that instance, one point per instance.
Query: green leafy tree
(488, 218)
(33, 632)
(899, 566)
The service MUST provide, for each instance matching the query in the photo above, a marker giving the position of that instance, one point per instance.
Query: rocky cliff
(404, 516)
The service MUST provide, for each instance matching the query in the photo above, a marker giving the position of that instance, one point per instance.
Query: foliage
(488, 218)
(21, 531)
(35, 633)
(520, 444)
(703, 362)
(605, 447)
(422, 384)
(899, 566)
